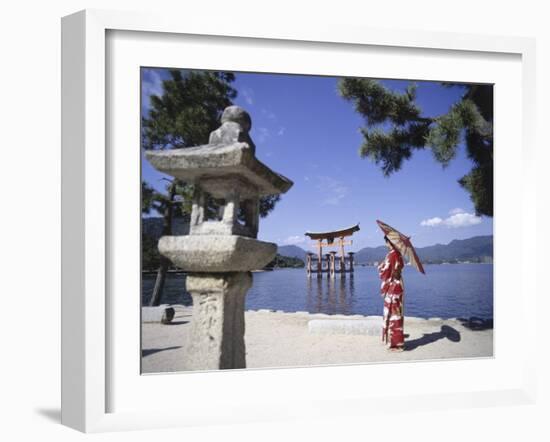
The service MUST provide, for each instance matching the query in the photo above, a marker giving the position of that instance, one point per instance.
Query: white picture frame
(86, 212)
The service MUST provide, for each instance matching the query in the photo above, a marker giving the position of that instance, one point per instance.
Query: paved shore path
(277, 339)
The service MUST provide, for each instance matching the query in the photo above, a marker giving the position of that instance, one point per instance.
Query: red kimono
(392, 291)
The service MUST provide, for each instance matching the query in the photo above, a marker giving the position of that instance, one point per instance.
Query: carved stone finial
(236, 124)
(238, 115)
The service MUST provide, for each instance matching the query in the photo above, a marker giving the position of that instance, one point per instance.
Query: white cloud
(457, 218)
(292, 240)
(431, 222)
(263, 134)
(269, 115)
(248, 95)
(281, 131)
(333, 190)
(457, 210)
(462, 220)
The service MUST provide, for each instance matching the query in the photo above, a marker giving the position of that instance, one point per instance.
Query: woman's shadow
(428, 338)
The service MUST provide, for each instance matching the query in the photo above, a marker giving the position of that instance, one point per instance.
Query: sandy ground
(277, 339)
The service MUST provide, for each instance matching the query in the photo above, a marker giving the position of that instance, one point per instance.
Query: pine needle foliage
(395, 127)
(189, 108)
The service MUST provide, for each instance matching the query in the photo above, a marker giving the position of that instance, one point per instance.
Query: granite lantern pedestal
(221, 248)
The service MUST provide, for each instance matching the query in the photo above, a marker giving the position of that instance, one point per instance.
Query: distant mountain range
(475, 249)
(292, 252)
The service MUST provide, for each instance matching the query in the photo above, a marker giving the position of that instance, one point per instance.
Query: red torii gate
(335, 238)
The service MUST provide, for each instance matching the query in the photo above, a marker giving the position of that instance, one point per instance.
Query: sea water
(445, 291)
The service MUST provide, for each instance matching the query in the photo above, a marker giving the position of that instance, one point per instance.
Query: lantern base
(217, 327)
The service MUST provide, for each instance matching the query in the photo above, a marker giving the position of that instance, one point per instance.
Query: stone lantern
(221, 248)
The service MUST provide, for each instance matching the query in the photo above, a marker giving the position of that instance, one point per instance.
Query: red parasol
(403, 244)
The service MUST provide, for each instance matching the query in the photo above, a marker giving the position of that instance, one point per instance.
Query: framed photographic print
(279, 209)
(313, 298)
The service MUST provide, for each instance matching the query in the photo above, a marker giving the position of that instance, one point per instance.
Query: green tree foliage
(395, 127)
(148, 198)
(150, 257)
(267, 204)
(283, 262)
(188, 110)
(175, 202)
(154, 201)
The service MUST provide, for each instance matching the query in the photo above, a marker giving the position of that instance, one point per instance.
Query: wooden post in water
(327, 260)
(308, 264)
(350, 254)
(332, 265)
(319, 259)
(342, 257)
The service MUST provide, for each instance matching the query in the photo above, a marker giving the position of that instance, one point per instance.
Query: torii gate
(327, 239)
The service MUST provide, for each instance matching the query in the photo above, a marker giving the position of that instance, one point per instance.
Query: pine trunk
(164, 262)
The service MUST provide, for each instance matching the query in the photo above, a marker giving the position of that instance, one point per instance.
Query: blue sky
(304, 130)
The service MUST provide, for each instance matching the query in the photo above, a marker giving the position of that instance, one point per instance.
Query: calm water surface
(446, 291)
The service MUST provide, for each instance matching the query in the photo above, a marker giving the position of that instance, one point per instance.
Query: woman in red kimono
(392, 292)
